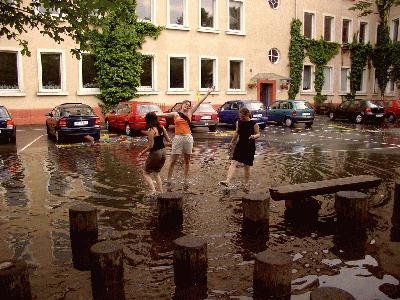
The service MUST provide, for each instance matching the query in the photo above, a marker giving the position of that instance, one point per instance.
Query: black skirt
(245, 147)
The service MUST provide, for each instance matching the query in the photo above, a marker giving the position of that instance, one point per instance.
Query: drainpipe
(295, 9)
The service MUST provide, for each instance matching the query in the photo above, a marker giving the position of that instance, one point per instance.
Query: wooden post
(83, 234)
(351, 208)
(14, 280)
(190, 261)
(170, 210)
(330, 293)
(256, 214)
(107, 271)
(395, 230)
(196, 292)
(272, 275)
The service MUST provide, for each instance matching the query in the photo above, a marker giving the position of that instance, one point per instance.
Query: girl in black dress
(247, 131)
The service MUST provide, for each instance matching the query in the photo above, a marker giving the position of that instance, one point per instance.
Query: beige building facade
(239, 46)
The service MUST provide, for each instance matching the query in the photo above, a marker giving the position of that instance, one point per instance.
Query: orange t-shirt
(181, 126)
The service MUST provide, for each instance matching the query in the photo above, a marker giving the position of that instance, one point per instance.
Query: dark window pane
(328, 28)
(363, 29)
(395, 30)
(234, 82)
(176, 73)
(8, 70)
(234, 15)
(345, 31)
(308, 25)
(88, 71)
(207, 13)
(51, 71)
(4, 113)
(207, 73)
(146, 79)
(176, 12)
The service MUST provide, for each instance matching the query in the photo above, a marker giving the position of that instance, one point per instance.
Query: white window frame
(366, 31)
(392, 29)
(388, 91)
(375, 87)
(213, 29)
(20, 71)
(215, 72)
(351, 33)
(332, 73)
(275, 8)
(241, 90)
(153, 89)
(311, 90)
(333, 27)
(185, 25)
(313, 25)
(153, 12)
(242, 30)
(363, 83)
(347, 80)
(185, 88)
(37, 11)
(82, 90)
(62, 90)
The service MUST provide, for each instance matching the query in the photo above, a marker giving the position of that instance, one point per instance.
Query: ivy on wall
(296, 57)
(382, 56)
(395, 73)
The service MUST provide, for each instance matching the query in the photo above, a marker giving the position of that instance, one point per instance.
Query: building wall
(265, 28)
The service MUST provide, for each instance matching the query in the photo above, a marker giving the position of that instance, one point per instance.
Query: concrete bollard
(330, 293)
(272, 275)
(107, 271)
(351, 208)
(14, 280)
(256, 214)
(170, 210)
(395, 230)
(83, 234)
(190, 261)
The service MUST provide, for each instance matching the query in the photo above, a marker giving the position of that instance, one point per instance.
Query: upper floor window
(207, 13)
(236, 15)
(145, 10)
(274, 4)
(52, 11)
(177, 12)
(395, 30)
(363, 34)
(9, 70)
(273, 55)
(147, 77)
(329, 24)
(309, 25)
(346, 31)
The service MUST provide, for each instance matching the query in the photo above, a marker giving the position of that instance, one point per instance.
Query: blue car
(72, 119)
(7, 126)
(228, 113)
(290, 112)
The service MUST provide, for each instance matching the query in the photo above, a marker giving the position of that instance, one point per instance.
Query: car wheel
(212, 128)
(128, 130)
(289, 122)
(331, 116)
(391, 118)
(13, 139)
(309, 124)
(359, 119)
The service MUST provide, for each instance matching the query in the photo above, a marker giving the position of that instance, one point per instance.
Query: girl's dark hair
(152, 120)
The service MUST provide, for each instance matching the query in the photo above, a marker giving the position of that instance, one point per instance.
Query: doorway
(266, 91)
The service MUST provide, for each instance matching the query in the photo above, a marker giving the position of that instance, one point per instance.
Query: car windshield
(205, 108)
(254, 105)
(383, 103)
(302, 105)
(77, 110)
(146, 108)
(3, 113)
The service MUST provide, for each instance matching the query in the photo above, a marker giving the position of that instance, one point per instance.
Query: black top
(245, 147)
(158, 140)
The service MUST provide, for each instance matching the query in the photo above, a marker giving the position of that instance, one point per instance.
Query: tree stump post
(190, 261)
(351, 208)
(272, 275)
(395, 230)
(170, 210)
(83, 233)
(107, 271)
(14, 280)
(256, 214)
(330, 293)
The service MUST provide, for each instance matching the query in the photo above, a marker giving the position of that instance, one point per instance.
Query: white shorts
(182, 143)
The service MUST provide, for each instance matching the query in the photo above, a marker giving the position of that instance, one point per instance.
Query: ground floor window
(235, 74)
(9, 70)
(345, 80)
(146, 78)
(307, 78)
(51, 71)
(327, 87)
(177, 73)
(208, 72)
(88, 71)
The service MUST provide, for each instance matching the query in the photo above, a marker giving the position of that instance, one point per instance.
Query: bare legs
(150, 183)
(186, 166)
(231, 172)
(174, 158)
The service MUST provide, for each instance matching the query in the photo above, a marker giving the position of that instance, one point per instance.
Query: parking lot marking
(30, 143)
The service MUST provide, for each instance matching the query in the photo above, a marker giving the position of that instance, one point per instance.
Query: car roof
(137, 102)
(71, 103)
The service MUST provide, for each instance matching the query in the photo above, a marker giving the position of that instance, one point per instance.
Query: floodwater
(40, 183)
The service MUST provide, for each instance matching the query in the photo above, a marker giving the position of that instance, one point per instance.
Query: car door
(123, 115)
(233, 113)
(272, 112)
(223, 112)
(53, 119)
(341, 111)
(282, 111)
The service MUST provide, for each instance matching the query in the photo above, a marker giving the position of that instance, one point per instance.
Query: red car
(130, 116)
(392, 109)
(204, 116)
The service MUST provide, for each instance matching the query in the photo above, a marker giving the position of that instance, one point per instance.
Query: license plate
(257, 116)
(306, 114)
(80, 123)
(206, 117)
(379, 115)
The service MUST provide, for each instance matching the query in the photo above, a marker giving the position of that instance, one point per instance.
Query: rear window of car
(77, 110)
(254, 105)
(4, 113)
(205, 108)
(302, 105)
(146, 108)
(373, 104)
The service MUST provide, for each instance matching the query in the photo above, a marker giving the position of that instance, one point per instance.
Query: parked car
(359, 111)
(290, 112)
(72, 120)
(7, 127)
(229, 112)
(130, 116)
(204, 116)
(392, 109)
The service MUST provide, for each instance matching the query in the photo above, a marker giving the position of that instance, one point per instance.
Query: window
(236, 15)
(395, 30)
(273, 55)
(345, 80)
(177, 80)
(329, 24)
(274, 4)
(363, 86)
(88, 72)
(177, 13)
(390, 87)
(309, 21)
(307, 78)
(208, 72)
(145, 10)
(51, 69)
(9, 71)
(346, 31)
(363, 37)
(146, 78)
(327, 87)
(207, 14)
(52, 11)
(235, 74)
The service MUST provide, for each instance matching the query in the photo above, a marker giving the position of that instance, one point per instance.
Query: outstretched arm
(256, 134)
(196, 106)
(168, 114)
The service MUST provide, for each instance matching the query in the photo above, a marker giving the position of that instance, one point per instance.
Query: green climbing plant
(395, 73)
(296, 57)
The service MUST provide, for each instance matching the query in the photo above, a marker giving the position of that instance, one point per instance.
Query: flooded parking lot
(40, 181)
